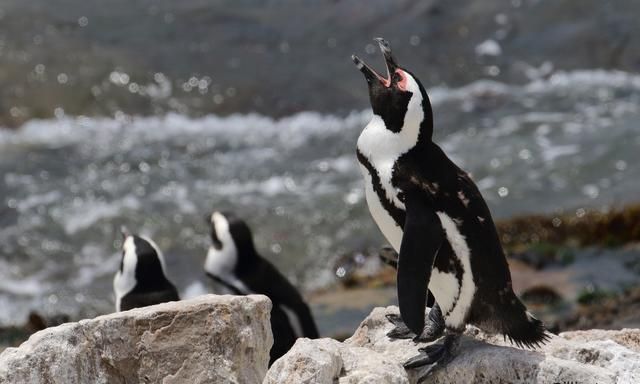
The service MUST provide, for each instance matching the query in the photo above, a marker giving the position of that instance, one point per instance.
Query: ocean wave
(291, 131)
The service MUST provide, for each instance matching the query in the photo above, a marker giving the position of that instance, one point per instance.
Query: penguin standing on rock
(434, 216)
(141, 279)
(233, 262)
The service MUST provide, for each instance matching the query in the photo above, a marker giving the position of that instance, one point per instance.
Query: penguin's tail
(525, 330)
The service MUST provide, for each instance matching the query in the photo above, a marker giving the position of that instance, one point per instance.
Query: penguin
(437, 221)
(233, 262)
(141, 279)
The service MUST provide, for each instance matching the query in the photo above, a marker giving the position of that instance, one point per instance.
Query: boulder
(208, 339)
(369, 356)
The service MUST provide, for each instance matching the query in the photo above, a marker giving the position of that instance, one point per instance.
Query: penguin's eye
(397, 77)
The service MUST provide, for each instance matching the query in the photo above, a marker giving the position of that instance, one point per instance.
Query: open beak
(390, 63)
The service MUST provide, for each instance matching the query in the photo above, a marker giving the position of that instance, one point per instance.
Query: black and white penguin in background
(434, 216)
(233, 262)
(141, 279)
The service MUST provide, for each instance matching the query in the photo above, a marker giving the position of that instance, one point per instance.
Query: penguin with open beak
(436, 220)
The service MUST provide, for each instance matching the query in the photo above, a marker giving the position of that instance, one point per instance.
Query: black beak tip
(384, 45)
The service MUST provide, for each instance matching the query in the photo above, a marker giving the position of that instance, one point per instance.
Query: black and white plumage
(233, 262)
(141, 279)
(434, 216)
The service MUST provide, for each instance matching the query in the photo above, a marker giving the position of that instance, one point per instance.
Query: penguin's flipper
(390, 257)
(423, 235)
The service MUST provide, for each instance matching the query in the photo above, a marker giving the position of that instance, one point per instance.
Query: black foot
(434, 356)
(389, 256)
(400, 331)
(433, 328)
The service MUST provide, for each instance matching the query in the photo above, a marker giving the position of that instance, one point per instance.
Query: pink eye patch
(402, 84)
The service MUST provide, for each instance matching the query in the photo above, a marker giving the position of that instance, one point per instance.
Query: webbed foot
(433, 328)
(400, 330)
(434, 356)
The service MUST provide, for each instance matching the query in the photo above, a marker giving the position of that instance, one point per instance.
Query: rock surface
(583, 357)
(209, 339)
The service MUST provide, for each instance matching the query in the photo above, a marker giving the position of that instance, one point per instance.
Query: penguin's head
(141, 266)
(232, 250)
(398, 98)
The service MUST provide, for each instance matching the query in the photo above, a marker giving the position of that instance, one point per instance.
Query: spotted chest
(377, 152)
(451, 278)
(384, 212)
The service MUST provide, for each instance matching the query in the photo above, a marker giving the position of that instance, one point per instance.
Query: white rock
(369, 356)
(327, 360)
(209, 339)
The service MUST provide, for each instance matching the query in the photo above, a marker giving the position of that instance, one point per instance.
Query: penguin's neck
(222, 262)
(383, 148)
(125, 279)
(381, 145)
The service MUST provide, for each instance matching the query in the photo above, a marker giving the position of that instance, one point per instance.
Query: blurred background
(152, 113)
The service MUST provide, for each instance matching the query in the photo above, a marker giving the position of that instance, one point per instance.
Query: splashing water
(564, 142)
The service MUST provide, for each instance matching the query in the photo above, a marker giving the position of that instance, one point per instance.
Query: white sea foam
(488, 47)
(78, 217)
(36, 200)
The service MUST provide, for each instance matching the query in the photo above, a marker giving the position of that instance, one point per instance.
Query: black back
(152, 286)
(452, 191)
(260, 276)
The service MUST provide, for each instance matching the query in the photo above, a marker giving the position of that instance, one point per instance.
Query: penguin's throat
(221, 262)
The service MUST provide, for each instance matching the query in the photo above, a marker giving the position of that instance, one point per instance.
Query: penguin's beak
(390, 63)
(124, 232)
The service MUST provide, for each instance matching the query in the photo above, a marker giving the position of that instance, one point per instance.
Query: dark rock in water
(35, 323)
(608, 312)
(15, 335)
(541, 295)
(541, 255)
(593, 295)
(583, 228)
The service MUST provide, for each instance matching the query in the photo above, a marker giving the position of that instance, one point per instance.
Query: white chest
(389, 228)
(221, 263)
(125, 279)
(454, 297)
(382, 148)
(123, 283)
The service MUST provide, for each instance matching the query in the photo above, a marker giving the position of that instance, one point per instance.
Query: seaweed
(612, 228)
